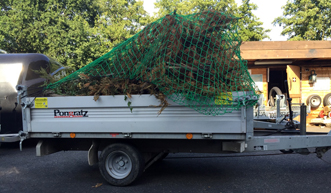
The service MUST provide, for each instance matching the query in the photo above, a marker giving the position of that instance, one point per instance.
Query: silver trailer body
(111, 115)
(110, 118)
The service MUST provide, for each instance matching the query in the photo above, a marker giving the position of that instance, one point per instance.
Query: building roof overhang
(280, 53)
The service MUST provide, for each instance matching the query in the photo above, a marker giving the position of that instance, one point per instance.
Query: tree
(306, 19)
(193, 6)
(120, 19)
(59, 29)
(250, 29)
(75, 32)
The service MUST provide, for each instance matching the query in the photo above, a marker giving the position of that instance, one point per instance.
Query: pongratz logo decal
(70, 114)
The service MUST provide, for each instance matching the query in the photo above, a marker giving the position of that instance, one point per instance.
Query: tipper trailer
(130, 141)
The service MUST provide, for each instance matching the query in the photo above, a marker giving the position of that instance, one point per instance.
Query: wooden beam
(312, 62)
(285, 54)
(285, 45)
(295, 95)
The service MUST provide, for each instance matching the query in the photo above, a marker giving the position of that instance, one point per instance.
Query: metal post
(289, 100)
(278, 108)
(303, 114)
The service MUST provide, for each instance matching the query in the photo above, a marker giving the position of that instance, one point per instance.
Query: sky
(267, 11)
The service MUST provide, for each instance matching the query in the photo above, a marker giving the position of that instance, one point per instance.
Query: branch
(181, 66)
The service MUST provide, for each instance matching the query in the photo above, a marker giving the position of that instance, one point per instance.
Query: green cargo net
(193, 60)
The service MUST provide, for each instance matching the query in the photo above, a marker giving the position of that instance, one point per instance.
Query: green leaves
(250, 28)
(129, 102)
(306, 20)
(194, 6)
(120, 20)
(75, 32)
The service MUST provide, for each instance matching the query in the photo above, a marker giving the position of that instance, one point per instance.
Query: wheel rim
(118, 164)
(315, 101)
(329, 100)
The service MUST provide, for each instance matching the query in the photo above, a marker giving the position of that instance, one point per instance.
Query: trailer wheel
(272, 95)
(314, 100)
(327, 99)
(287, 151)
(121, 164)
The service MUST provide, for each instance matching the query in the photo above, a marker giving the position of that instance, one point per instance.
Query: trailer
(130, 141)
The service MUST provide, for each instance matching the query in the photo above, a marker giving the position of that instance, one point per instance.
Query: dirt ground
(322, 129)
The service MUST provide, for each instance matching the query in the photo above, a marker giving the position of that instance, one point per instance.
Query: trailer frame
(80, 123)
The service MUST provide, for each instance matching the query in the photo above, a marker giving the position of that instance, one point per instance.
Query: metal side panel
(111, 115)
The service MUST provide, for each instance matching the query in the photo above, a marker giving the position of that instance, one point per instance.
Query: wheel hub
(121, 163)
(315, 101)
(118, 164)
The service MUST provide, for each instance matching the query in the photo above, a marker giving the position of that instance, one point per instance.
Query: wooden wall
(308, 89)
(309, 55)
(258, 50)
(262, 71)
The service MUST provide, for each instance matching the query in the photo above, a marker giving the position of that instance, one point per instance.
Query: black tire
(287, 151)
(121, 164)
(327, 99)
(272, 94)
(314, 101)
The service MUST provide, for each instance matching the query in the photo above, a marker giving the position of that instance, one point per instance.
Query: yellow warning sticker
(224, 99)
(40, 103)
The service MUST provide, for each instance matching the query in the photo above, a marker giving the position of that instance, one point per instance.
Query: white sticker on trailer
(271, 140)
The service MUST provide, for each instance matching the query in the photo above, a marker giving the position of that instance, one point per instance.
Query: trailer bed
(110, 115)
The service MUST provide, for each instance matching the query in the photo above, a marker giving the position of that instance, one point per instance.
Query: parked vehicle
(20, 69)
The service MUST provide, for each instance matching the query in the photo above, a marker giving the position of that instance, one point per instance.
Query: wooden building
(272, 62)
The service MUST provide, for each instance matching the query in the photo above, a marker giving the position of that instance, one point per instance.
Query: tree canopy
(249, 26)
(75, 32)
(306, 19)
(120, 20)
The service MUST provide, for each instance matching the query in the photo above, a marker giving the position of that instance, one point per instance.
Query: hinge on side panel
(23, 135)
(207, 135)
(57, 134)
(127, 135)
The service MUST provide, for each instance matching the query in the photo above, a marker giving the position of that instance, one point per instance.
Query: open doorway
(276, 85)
